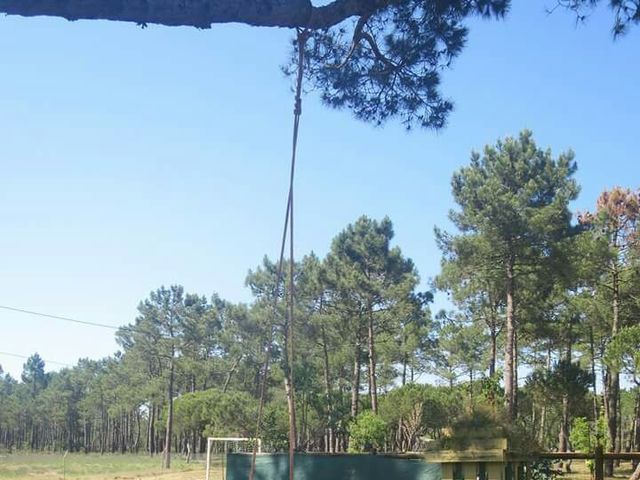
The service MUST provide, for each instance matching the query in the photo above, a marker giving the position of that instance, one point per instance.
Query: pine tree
(513, 215)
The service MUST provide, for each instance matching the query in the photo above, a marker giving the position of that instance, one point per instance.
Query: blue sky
(135, 158)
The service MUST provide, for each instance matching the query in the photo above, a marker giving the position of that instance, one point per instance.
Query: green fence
(331, 467)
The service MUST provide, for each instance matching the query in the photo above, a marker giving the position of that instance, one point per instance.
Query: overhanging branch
(197, 13)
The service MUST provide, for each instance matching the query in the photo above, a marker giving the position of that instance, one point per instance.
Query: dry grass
(99, 467)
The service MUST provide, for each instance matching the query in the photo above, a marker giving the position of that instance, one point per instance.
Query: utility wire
(124, 328)
(67, 319)
(56, 317)
(72, 320)
(17, 355)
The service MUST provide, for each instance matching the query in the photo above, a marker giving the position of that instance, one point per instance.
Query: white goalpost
(229, 444)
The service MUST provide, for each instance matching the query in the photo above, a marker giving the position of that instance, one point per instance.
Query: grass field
(99, 467)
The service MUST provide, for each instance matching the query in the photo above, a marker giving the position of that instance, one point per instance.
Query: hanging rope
(302, 36)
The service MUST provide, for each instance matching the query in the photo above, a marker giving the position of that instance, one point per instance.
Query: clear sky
(135, 158)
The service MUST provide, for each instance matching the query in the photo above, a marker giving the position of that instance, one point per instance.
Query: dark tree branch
(198, 13)
(376, 50)
(626, 12)
(357, 36)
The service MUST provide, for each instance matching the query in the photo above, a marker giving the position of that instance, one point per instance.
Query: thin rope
(267, 361)
(302, 36)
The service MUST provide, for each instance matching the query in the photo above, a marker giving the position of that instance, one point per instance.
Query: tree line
(536, 291)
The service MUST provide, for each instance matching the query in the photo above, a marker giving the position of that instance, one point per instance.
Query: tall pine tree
(513, 214)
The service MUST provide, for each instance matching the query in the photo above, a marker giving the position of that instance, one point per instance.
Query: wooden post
(599, 463)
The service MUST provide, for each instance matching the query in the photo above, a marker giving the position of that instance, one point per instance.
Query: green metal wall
(331, 467)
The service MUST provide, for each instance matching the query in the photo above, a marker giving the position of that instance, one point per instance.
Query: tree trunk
(543, 409)
(543, 422)
(151, 429)
(327, 391)
(404, 369)
(612, 391)
(355, 383)
(509, 351)
(230, 373)
(619, 433)
(516, 358)
(592, 351)
(373, 387)
(613, 387)
(563, 438)
(636, 427)
(635, 434)
(292, 409)
(166, 460)
(136, 443)
(494, 348)
(85, 437)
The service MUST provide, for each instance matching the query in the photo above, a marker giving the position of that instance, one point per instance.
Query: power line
(56, 317)
(128, 328)
(17, 355)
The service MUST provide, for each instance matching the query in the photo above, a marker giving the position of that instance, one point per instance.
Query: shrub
(367, 433)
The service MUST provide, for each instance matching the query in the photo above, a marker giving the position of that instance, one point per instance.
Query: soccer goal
(218, 447)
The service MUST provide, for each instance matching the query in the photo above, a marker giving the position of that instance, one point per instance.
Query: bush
(212, 412)
(275, 428)
(367, 433)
